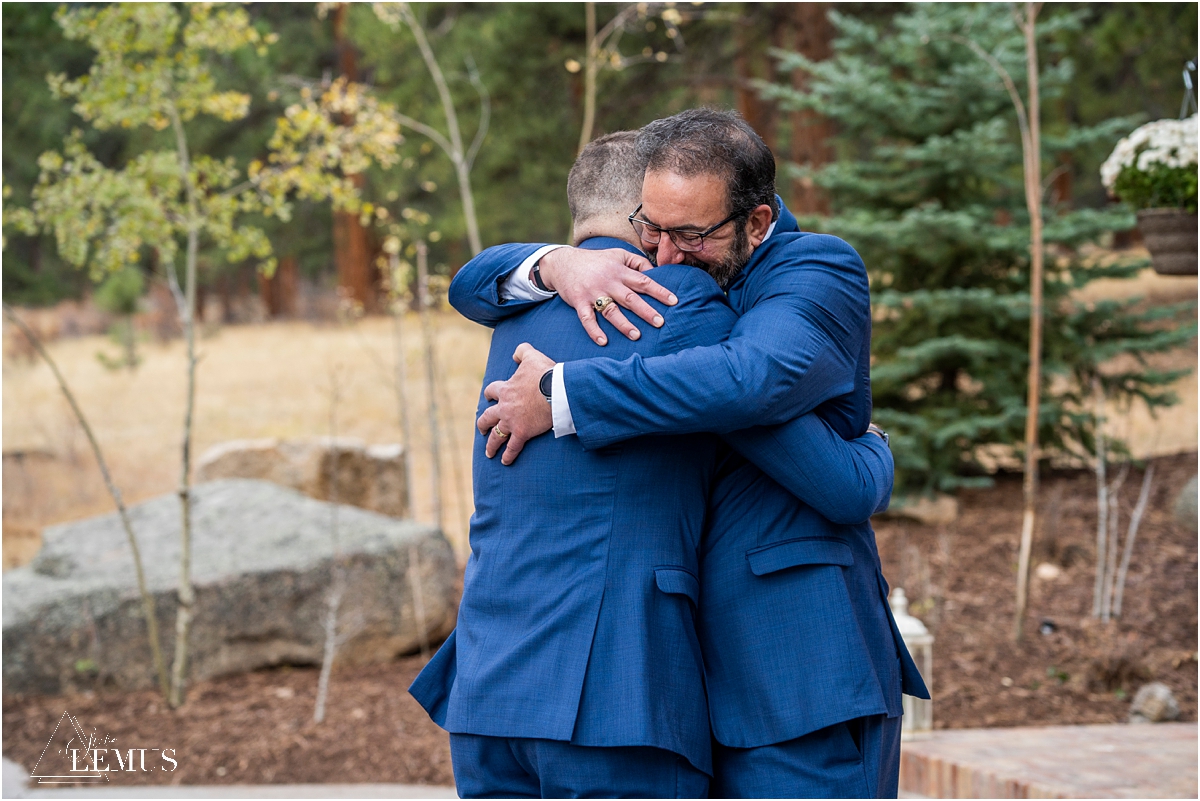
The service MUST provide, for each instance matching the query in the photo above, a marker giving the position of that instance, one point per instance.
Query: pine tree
(928, 188)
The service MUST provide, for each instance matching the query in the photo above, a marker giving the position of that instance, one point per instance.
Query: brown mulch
(257, 728)
(960, 579)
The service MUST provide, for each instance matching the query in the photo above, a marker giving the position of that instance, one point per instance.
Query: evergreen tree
(928, 188)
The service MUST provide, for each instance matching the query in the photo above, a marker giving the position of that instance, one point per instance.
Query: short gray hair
(606, 179)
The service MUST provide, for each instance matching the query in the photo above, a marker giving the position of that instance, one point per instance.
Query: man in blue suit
(804, 664)
(575, 668)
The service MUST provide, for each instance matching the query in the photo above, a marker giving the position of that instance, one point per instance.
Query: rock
(1153, 703)
(1047, 571)
(262, 558)
(369, 477)
(938, 510)
(1185, 506)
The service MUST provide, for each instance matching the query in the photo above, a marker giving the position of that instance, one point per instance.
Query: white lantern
(918, 712)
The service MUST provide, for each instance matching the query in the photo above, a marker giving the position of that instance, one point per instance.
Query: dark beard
(724, 271)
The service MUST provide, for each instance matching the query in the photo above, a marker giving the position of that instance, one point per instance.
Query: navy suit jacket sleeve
(797, 345)
(475, 291)
(703, 315)
(845, 482)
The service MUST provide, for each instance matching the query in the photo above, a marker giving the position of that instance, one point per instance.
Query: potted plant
(1154, 171)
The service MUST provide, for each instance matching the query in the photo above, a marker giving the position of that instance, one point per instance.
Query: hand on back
(581, 277)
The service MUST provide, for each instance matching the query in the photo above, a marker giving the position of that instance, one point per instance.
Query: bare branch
(236, 190)
(1134, 523)
(148, 608)
(432, 133)
(998, 68)
(173, 283)
(456, 146)
(1110, 563)
(485, 111)
(1101, 497)
(1048, 181)
(338, 585)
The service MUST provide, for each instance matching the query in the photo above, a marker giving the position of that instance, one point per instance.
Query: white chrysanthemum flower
(1169, 142)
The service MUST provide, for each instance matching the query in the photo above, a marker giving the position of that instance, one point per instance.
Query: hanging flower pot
(1154, 171)
(1170, 236)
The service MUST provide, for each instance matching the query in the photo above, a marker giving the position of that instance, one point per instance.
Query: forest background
(1127, 59)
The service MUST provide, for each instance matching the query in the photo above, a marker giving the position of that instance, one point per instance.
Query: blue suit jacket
(577, 614)
(577, 620)
(794, 622)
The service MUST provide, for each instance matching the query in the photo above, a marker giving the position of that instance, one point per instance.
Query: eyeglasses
(687, 241)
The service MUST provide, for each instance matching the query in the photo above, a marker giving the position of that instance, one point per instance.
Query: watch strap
(536, 275)
(879, 432)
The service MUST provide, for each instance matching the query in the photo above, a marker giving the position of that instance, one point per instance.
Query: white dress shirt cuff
(564, 424)
(517, 285)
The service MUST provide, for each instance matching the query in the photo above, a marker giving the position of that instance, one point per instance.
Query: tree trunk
(186, 301)
(279, 292)
(414, 562)
(750, 62)
(810, 132)
(351, 243)
(589, 79)
(1033, 199)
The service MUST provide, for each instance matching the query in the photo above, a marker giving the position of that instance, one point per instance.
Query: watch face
(546, 385)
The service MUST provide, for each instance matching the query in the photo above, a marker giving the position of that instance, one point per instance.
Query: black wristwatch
(536, 275)
(546, 384)
(879, 432)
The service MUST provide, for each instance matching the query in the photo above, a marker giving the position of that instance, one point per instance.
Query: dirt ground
(257, 729)
(960, 579)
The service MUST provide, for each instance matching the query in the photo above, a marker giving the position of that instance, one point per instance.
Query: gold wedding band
(602, 303)
(501, 434)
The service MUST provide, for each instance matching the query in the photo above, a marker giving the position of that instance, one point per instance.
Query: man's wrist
(545, 267)
(518, 285)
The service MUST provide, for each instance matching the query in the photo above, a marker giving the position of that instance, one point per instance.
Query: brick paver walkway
(1118, 761)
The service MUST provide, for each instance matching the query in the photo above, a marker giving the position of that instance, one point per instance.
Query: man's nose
(668, 253)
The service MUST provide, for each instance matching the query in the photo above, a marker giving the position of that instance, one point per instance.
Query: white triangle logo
(66, 759)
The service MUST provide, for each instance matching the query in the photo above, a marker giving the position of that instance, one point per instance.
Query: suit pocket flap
(782, 555)
(677, 581)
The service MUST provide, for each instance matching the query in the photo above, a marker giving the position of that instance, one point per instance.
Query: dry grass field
(270, 380)
(273, 380)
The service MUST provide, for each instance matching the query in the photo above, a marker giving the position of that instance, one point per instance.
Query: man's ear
(758, 224)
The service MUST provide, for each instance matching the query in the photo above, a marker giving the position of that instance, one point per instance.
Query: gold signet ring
(501, 434)
(602, 303)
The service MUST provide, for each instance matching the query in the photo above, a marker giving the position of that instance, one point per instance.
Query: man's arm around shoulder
(475, 291)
